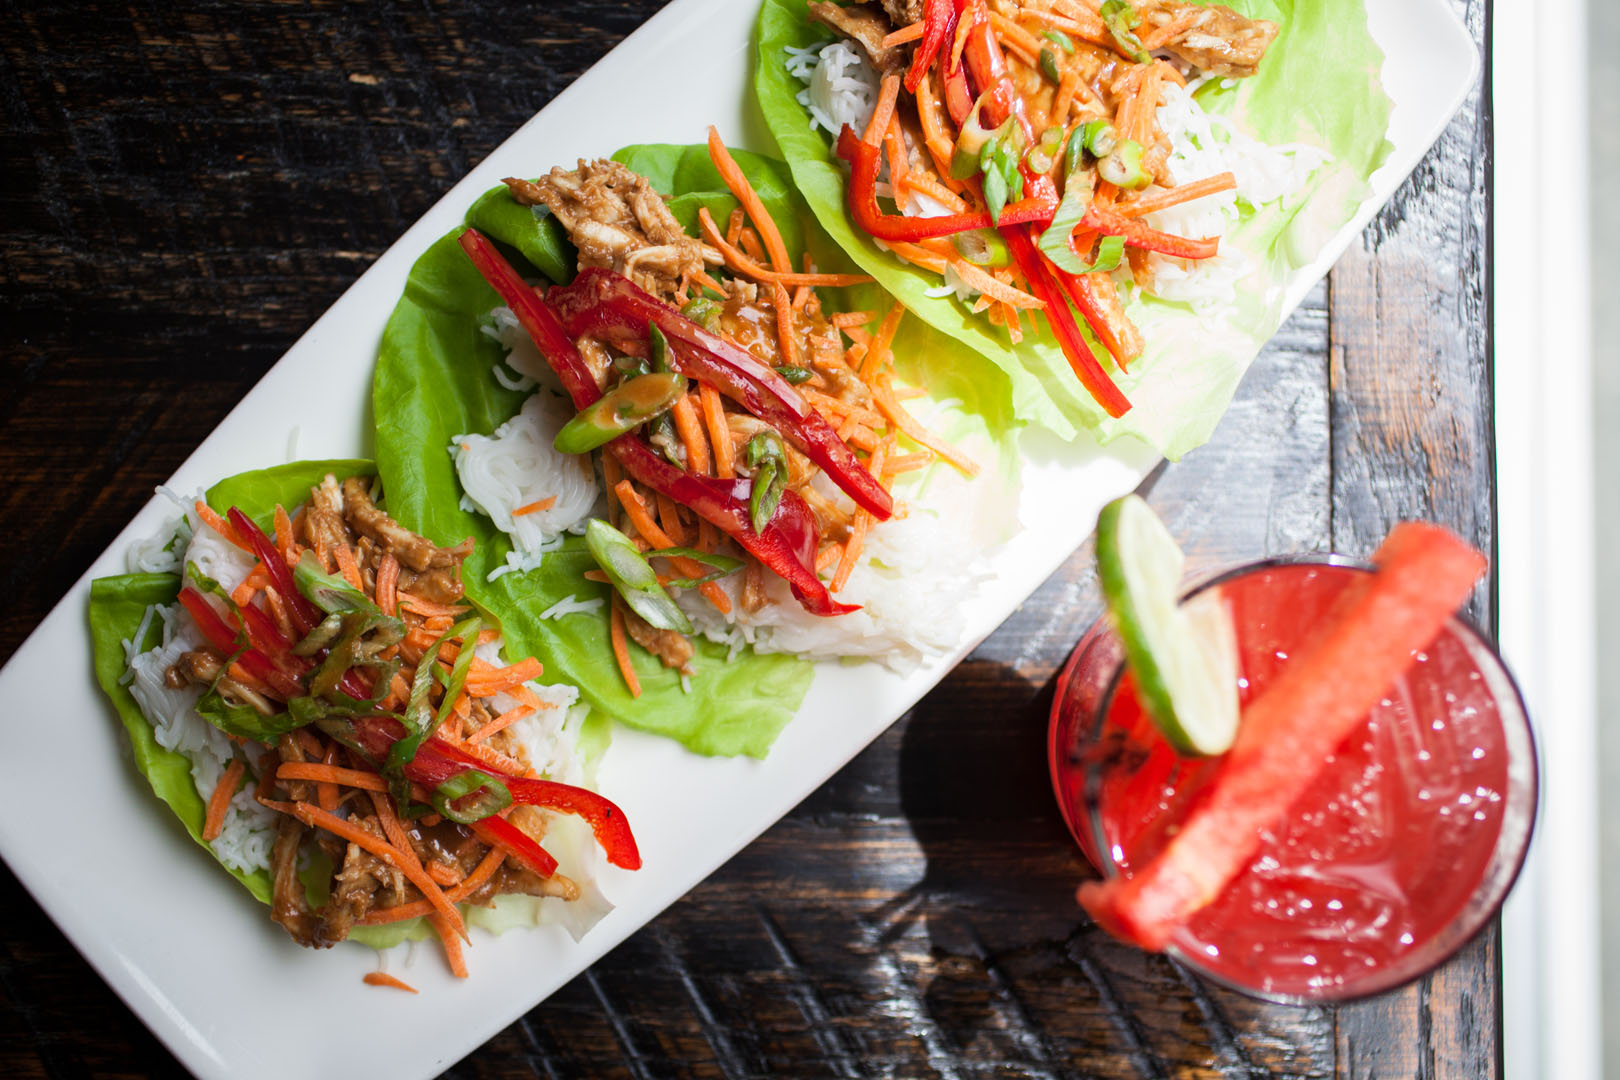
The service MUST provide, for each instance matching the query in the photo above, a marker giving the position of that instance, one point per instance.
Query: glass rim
(1496, 880)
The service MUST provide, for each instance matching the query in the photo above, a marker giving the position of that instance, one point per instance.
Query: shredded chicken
(617, 220)
(1218, 39)
(868, 25)
(668, 645)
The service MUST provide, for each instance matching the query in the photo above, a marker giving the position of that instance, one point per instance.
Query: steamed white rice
(548, 738)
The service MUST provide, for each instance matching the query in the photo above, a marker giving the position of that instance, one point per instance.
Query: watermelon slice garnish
(1288, 732)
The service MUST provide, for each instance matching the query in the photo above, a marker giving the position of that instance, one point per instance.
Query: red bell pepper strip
(600, 303)
(1084, 295)
(788, 543)
(1044, 286)
(437, 761)
(304, 615)
(498, 832)
(863, 204)
(1138, 235)
(606, 820)
(226, 640)
(939, 23)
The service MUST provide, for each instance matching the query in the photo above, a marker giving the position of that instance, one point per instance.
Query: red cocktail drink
(1396, 854)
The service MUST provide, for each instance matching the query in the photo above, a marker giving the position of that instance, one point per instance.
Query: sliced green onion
(624, 408)
(1123, 166)
(982, 247)
(765, 453)
(794, 374)
(1049, 65)
(1074, 151)
(1060, 39)
(703, 311)
(418, 717)
(1055, 242)
(1121, 19)
(1099, 137)
(633, 577)
(631, 366)
(965, 156)
(995, 194)
(658, 347)
(493, 797)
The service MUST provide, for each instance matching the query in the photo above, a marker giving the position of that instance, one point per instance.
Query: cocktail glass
(1399, 852)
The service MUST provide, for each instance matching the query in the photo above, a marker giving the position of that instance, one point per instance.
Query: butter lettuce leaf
(435, 380)
(1318, 84)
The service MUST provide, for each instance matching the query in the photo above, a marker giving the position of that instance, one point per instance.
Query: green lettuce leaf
(117, 606)
(1318, 84)
(434, 381)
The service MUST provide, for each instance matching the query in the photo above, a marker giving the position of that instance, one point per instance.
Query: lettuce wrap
(1318, 84)
(436, 379)
(118, 605)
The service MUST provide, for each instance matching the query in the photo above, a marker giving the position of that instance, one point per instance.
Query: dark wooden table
(185, 187)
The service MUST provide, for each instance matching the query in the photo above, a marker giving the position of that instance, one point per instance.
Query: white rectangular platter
(154, 915)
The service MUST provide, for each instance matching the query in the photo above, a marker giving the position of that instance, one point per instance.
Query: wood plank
(1412, 439)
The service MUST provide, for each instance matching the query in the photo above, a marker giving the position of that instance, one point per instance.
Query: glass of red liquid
(1399, 852)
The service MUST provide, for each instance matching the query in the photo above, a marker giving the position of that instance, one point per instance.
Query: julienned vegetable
(787, 545)
(633, 576)
(624, 408)
(374, 734)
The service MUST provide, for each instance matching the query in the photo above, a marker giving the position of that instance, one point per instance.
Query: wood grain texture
(187, 186)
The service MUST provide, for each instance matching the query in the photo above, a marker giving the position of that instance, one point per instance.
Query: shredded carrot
(1160, 35)
(734, 225)
(388, 583)
(920, 182)
(863, 522)
(968, 16)
(286, 540)
(443, 873)
(611, 472)
(1092, 30)
(278, 612)
(501, 722)
(447, 931)
(912, 32)
(845, 319)
(621, 651)
(257, 579)
(899, 163)
(888, 94)
(669, 516)
(326, 794)
(714, 418)
(220, 800)
(907, 462)
(470, 884)
(993, 287)
(407, 864)
(917, 255)
(742, 263)
(784, 324)
(828, 403)
(745, 193)
(321, 772)
(748, 240)
(482, 684)
(1016, 38)
(220, 525)
(1065, 94)
(308, 743)
(382, 978)
(636, 510)
(702, 278)
(879, 351)
(1182, 193)
(536, 507)
(829, 554)
(928, 117)
(883, 395)
(411, 602)
(691, 433)
(349, 566)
